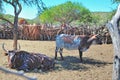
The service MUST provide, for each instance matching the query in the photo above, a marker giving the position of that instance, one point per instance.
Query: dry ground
(97, 62)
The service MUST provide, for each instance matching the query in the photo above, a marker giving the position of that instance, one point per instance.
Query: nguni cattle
(31, 32)
(27, 61)
(72, 42)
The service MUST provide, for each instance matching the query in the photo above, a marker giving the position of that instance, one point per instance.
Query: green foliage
(47, 16)
(66, 13)
(101, 18)
(116, 1)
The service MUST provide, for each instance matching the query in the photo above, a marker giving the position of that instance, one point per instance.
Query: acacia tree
(47, 17)
(17, 5)
(66, 13)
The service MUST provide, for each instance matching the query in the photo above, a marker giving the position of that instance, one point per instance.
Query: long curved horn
(4, 47)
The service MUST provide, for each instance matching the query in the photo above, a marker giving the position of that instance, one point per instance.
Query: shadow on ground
(73, 63)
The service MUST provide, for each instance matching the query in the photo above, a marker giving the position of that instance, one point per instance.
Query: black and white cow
(27, 61)
(72, 42)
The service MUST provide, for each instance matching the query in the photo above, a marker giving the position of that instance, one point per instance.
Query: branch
(11, 3)
(16, 5)
(7, 2)
(6, 20)
(20, 7)
(19, 73)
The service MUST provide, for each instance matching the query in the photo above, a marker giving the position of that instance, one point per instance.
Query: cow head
(10, 54)
(98, 39)
(88, 40)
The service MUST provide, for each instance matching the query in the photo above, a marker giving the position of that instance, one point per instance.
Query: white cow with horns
(75, 42)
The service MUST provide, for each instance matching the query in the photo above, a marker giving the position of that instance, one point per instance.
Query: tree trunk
(17, 9)
(15, 31)
(113, 27)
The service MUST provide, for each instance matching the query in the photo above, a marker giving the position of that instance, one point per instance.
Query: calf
(79, 42)
(23, 60)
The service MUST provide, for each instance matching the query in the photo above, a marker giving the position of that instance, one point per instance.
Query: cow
(27, 61)
(74, 42)
(31, 32)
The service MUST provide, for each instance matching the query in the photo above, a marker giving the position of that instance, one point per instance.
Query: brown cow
(31, 32)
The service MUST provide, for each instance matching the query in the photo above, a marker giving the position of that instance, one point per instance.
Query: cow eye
(10, 52)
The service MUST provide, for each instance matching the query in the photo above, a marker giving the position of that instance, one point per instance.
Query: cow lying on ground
(79, 42)
(23, 60)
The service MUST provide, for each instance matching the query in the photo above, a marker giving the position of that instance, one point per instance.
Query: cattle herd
(40, 32)
(70, 36)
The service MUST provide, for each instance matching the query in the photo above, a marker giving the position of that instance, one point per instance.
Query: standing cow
(79, 42)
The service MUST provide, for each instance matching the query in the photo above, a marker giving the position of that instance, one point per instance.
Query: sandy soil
(97, 63)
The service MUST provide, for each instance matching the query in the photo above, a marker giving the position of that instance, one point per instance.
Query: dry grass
(97, 62)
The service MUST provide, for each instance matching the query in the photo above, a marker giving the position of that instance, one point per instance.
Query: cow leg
(56, 50)
(61, 50)
(80, 54)
(24, 67)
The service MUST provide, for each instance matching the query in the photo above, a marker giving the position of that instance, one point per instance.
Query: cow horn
(4, 48)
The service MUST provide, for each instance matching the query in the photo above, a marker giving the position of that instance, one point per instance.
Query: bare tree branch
(19, 73)
(7, 20)
(20, 7)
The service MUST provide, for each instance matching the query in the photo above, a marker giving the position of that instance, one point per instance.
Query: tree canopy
(66, 13)
(116, 1)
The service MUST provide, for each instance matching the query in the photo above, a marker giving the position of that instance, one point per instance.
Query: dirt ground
(97, 62)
